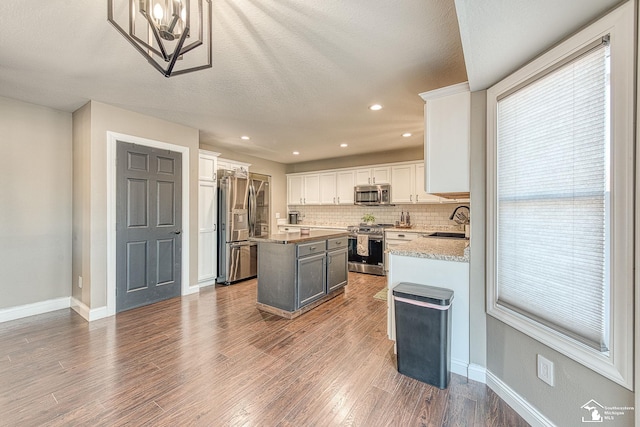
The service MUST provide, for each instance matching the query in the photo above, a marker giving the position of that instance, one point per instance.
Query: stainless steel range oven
(366, 248)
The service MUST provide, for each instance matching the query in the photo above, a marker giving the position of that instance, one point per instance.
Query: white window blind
(552, 198)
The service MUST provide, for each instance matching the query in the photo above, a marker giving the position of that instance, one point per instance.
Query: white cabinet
(295, 189)
(393, 239)
(421, 195)
(303, 189)
(374, 175)
(207, 218)
(447, 114)
(328, 188)
(233, 165)
(407, 184)
(311, 190)
(403, 179)
(345, 181)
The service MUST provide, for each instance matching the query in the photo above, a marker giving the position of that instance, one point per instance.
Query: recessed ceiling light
(406, 134)
(375, 107)
(245, 137)
(295, 153)
(344, 145)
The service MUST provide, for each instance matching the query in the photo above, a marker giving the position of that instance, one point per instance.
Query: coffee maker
(293, 217)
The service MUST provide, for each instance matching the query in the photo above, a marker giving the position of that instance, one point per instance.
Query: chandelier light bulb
(158, 12)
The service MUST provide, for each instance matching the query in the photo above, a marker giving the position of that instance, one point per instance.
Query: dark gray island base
(297, 272)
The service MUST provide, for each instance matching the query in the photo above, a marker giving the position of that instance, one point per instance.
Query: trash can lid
(430, 294)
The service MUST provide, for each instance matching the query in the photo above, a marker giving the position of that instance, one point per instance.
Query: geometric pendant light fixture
(173, 35)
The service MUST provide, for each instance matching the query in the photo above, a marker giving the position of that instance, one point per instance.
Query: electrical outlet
(80, 281)
(277, 215)
(545, 370)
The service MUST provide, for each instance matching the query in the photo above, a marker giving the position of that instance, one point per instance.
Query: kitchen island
(297, 272)
(442, 263)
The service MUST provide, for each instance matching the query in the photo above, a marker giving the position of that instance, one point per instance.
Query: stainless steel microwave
(372, 195)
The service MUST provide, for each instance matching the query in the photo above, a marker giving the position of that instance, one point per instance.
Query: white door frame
(112, 139)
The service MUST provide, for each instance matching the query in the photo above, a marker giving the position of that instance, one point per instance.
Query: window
(560, 161)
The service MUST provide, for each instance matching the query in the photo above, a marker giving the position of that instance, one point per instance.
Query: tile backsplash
(427, 215)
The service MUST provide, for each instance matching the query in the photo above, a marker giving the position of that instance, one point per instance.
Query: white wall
(35, 203)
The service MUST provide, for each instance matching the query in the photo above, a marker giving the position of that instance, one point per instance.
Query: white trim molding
(477, 373)
(617, 363)
(89, 314)
(517, 402)
(20, 311)
(112, 139)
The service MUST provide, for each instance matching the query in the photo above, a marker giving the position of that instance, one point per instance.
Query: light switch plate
(545, 370)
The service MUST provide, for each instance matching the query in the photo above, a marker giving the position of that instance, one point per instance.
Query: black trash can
(423, 332)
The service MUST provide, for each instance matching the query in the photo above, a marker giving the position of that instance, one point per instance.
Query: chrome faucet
(461, 218)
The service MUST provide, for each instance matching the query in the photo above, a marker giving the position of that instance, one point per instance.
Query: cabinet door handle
(338, 199)
(374, 179)
(300, 200)
(411, 198)
(334, 200)
(417, 195)
(400, 235)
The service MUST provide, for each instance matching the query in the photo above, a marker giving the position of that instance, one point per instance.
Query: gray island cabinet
(297, 272)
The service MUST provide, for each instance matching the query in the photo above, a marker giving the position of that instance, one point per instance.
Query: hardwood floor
(214, 360)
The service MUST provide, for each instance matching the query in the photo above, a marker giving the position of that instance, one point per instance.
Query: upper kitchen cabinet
(407, 184)
(207, 166)
(303, 189)
(345, 181)
(446, 140)
(375, 175)
(233, 165)
(328, 188)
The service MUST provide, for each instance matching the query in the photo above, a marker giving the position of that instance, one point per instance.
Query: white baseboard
(89, 314)
(459, 367)
(192, 290)
(206, 283)
(13, 313)
(517, 402)
(477, 373)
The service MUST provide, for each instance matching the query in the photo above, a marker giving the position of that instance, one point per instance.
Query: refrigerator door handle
(252, 210)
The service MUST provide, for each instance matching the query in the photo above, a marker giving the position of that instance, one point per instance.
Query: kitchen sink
(445, 235)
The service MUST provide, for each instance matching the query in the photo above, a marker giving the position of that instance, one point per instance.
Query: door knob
(176, 232)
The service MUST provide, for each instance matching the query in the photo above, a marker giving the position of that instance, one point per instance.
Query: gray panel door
(148, 229)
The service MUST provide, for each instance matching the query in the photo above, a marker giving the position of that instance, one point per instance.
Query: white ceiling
(293, 75)
(499, 36)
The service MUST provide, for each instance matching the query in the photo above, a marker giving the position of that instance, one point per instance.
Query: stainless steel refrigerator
(243, 212)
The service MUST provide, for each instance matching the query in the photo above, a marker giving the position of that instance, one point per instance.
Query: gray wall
(35, 201)
(407, 154)
(477, 323)
(511, 357)
(90, 189)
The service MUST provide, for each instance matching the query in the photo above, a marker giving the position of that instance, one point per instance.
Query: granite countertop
(435, 248)
(318, 226)
(297, 237)
(426, 230)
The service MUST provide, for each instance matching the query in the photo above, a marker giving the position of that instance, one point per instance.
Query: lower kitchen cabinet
(311, 277)
(336, 269)
(292, 276)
